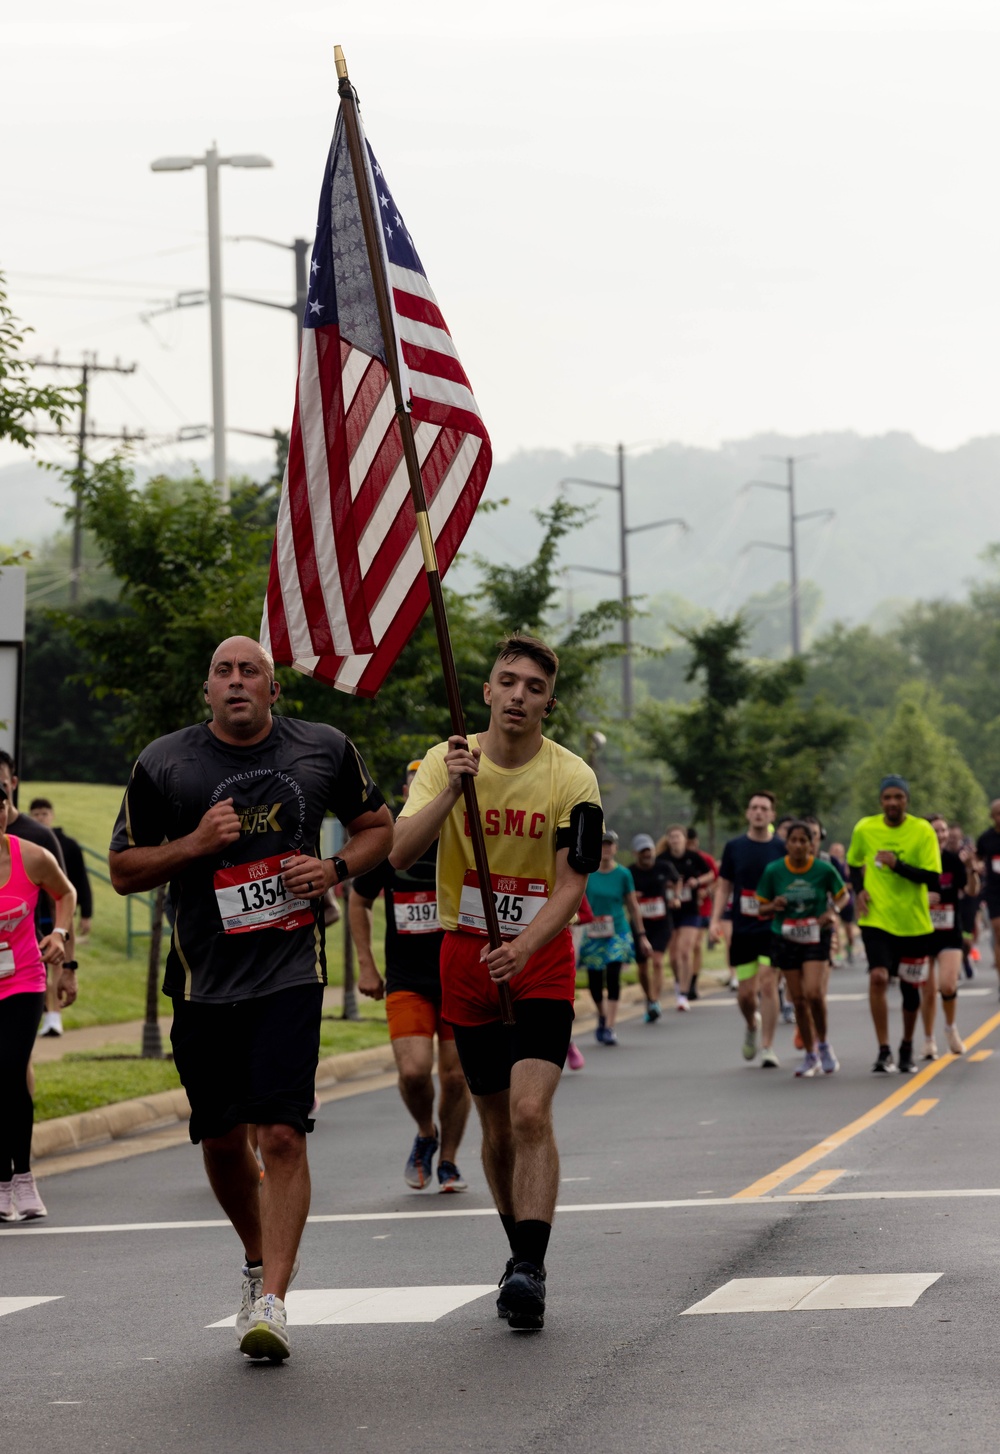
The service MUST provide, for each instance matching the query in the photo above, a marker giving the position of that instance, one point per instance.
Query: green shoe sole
(260, 1341)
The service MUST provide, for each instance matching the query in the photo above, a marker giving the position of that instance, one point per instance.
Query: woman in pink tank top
(24, 869)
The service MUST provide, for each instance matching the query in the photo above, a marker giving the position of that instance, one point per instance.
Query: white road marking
(308, 1307)
(677, 1204)
(811, 1294)
(18, 1304)
(853, 996)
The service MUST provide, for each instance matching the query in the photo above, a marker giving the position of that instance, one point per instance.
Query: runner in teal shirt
(607, 943)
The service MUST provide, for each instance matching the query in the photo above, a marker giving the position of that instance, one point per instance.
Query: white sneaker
(955, 1044)
(930, 1048)
(52, 1023)
(8, 1211)
(808, 1066)
(267, 1335)
(26, 1198)
(253, 1288)
(750, 1038)
(768, 1059)
(682, 1002)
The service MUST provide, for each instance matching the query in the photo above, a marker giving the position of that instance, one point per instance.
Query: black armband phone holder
(586, 830)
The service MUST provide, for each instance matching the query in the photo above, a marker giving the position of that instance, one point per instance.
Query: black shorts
(785, 954)
(992, 901)
(489, 1052)
(968, 909)
(946, 939)
(847, 912)
(747, 947)
(251, 1061)
(884, 950)
(658, 932)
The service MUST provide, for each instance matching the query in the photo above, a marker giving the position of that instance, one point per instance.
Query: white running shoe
(828, 1061)
(750, 1038)
(808, 1066)
(955, 1044)
(267, 1335)
(26, 1198)
(8, 1211)
(930, 1048)
(253, 1288)
(52, 1023)
(682, 1002)
(768, 1060)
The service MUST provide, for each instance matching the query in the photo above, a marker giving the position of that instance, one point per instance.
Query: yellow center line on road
(922, 1107)
(818, 1182)
(981, 1055)
(899, 1097)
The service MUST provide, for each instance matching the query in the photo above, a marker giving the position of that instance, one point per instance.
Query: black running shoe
(522, 1296)
(907, 1064)
(884, 1065)
(503, 1312)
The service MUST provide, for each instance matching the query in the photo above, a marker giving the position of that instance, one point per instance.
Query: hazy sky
(645, 221)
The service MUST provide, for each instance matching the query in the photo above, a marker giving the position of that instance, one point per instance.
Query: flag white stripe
(353, 373)
(407, 281)
(311, 415)
(382, 416)
(392, 499)
(424, 335)
(291, 596)
(443, 391)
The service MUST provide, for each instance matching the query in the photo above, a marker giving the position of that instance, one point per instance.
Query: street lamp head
(173, 164)
(250, 159)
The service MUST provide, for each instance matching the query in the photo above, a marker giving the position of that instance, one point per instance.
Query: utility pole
(622, 574)
(212, 161)
(86, 368)
(792, 548)
(300, 247)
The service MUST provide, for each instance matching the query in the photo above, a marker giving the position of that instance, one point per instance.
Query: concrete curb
(151, 1113)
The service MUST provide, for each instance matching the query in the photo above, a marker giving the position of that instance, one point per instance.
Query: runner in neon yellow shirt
(894, 860)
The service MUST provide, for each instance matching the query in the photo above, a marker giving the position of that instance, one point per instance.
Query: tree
(750, 727)
(910, 744)
(190, 575)
(20, 399)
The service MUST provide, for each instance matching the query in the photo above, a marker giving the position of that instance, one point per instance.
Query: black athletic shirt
(32, 831)
(412, 951)
(988, 849)
(659, 881)
(743, 862)
(954, 877)
(691, 864)
(281, 788)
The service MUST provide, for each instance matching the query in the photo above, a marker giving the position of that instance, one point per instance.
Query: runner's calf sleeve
(911, 995)
(945, 998)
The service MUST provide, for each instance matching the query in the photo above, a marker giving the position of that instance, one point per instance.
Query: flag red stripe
(430, 361)
(380, 472)
(304, 545)
(421, 310)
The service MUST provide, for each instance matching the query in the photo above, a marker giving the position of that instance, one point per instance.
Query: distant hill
(910, 520)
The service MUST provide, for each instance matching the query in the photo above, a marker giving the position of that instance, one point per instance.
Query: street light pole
(300, 247)
(624, 531)
(215, 326)
(212, 161)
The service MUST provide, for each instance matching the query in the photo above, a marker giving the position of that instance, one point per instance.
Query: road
(684, 1169)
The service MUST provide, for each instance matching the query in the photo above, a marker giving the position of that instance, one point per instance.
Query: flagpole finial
(341, 64)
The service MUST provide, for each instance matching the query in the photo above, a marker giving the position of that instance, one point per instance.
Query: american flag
(347, 584)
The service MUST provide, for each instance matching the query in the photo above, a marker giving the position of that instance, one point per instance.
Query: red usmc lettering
(512, 825)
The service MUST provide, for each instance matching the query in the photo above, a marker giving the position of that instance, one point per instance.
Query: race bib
(416, 913)
(750, 906)
(943, 917)
(253, 896)
(602, 926)
(913, 971)
(995, 864)
(801, 931)
(6, 961)
(518, 900)
(685, 894)
(653, 908)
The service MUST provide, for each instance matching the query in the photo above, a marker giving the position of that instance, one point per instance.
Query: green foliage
(749, 727)
(909, 742)
(21, 400)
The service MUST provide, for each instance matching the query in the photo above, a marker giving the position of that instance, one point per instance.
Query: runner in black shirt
(743, 861)
(656, 881)
(694, 874)
(946, 958)
(412, 987)
(988, 853)
(230, 813)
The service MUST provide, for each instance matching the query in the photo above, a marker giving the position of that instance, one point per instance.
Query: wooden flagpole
(380, 284)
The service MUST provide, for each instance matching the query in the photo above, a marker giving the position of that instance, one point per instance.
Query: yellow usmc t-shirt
(521, 810)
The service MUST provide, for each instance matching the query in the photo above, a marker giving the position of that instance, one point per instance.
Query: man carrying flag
(541, 807)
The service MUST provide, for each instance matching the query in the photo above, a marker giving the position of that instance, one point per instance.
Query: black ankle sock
(508, 1225)
(530, 1242)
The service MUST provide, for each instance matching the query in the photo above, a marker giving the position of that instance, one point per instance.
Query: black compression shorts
(658, 932)
(489, 1052)
(946, 939)
(253, 1061)
(884, 950)
(787, 955)
(748, 948)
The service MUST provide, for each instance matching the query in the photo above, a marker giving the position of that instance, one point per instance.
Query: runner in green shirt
(894, 860)
(795, 893)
